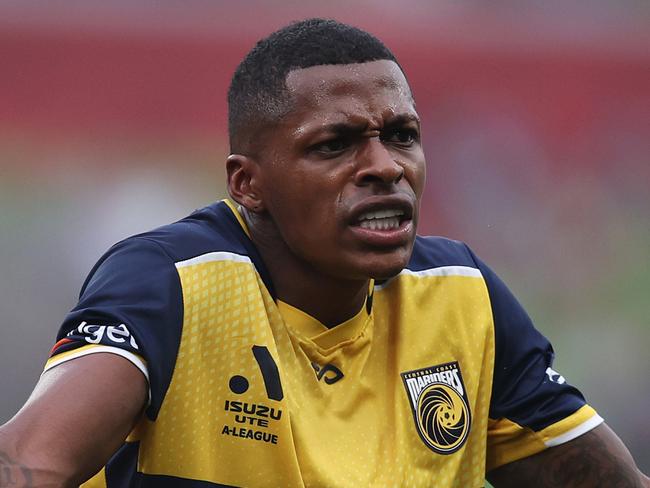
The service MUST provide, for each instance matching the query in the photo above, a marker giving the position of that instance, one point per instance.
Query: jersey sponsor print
(251, 420)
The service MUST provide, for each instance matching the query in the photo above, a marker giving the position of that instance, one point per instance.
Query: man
(300, 334)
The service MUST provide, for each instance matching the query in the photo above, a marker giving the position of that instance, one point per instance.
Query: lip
(383, 238)
(382, 202)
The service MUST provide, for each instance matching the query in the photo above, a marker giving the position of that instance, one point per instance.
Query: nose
(376, 164)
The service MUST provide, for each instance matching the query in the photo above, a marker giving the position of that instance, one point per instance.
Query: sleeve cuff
(136, 360)
(509, 441)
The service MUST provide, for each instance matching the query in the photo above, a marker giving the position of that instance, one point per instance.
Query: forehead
(377, 89)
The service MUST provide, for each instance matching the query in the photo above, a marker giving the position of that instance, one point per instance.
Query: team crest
(440, 406)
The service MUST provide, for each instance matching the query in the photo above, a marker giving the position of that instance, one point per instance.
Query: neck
(328, 299)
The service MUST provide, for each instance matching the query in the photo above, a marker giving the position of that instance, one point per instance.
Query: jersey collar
(303, 325)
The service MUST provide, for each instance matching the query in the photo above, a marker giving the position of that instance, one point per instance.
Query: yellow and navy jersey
(440, 377)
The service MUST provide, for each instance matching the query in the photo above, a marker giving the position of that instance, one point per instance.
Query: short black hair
(258, 93)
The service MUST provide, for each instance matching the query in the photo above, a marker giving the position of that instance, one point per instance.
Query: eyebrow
(346, 128)
(402, 119)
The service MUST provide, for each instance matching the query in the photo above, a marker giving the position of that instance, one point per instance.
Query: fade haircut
(258, 94)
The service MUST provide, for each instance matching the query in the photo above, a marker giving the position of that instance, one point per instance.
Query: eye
(404, 136)
(331, 148)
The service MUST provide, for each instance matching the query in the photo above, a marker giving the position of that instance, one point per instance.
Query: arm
(534, 407)
(77, 417)
(595, 459)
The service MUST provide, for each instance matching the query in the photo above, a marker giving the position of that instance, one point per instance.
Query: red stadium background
(536, 127)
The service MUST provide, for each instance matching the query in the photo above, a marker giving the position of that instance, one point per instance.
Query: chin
(385, 267)
(386, 274)
(380, 269)
(366, 264)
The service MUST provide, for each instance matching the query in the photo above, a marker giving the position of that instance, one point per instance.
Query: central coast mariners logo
(440, 407)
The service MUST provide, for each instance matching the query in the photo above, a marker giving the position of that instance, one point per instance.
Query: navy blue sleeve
(131, 300)
(525, 388)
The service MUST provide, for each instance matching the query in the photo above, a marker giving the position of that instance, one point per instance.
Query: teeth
(381, 214)
(387, 223)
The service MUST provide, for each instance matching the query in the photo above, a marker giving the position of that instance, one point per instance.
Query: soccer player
(300, 333)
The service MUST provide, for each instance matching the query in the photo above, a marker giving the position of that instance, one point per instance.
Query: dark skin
(53, 441)
(595, 459)
(350, 145)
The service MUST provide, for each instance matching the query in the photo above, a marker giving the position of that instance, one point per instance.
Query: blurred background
(536, 119)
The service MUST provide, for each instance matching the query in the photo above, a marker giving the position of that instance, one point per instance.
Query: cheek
(319, 192)
(415, 173)
(304, 209)
(420, 169)
(422, 178)
(305, 199)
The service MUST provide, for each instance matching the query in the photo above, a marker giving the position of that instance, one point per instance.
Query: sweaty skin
(350, 145)
(594, 460)
(77, 416)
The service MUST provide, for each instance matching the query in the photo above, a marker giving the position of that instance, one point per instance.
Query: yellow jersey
(440, 377)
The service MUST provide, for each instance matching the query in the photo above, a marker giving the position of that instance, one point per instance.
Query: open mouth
(388, 219)
(383, 221)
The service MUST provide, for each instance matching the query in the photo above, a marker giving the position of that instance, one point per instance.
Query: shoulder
(157, 253)
(211, 229)
(435, 257)
(436, 252)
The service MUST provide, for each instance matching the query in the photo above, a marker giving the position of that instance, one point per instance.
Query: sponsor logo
(253, 420)
(328, 373)
(554, 376)
(440, 406)
(251, 417)
(104, 334)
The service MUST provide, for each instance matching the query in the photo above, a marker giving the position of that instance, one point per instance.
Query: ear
(244, 182)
